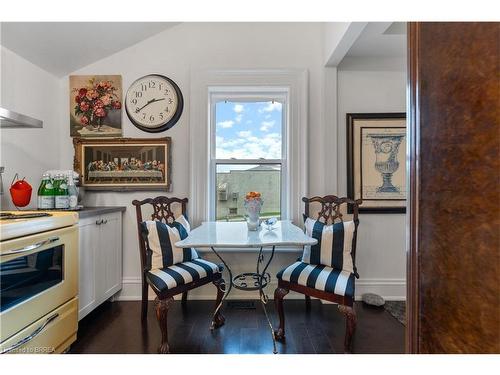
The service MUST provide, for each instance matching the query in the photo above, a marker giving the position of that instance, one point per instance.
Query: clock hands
(148, 103)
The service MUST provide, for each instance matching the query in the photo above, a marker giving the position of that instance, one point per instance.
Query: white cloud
(267, 117)
(268, 147)
(238, 108)
(238, 118)
(226, 124)
(244, 133)
(265, 125)
(273, 106)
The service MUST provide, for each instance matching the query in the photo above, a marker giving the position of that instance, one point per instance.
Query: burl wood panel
(455, 67)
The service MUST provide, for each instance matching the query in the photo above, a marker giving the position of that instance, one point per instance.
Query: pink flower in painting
(82, 92)
(98, 104)
(100, 112)
(117, 105)
(92, 94)
(84, 106)
(106, 99)
(84, 120)
(78, 99)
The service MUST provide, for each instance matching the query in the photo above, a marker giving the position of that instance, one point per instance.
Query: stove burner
(12, 216)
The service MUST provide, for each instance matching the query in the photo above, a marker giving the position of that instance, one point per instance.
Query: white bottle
(72, 192)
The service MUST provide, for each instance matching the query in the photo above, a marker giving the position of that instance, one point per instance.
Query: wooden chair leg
(350, 326)
(144, 303)
(161, 307)
(219, 319)
(308, 302)
(279, 294)
(184, 298)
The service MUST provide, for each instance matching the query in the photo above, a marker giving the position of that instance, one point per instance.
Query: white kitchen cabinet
(100, 260)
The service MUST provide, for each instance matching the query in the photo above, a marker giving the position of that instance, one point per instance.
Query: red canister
(20, 192)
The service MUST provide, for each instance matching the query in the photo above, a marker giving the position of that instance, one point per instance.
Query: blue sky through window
(248, 130)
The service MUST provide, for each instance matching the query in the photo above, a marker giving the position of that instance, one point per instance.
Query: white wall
(380, 254)
(29, 90)
(175, 53)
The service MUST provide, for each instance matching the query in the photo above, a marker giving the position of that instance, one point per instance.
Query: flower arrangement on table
(94, 101)
(253, 204)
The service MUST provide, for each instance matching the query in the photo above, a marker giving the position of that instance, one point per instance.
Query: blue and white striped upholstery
(334, 244)
(319, 277)
(181, 273)
(162, 238)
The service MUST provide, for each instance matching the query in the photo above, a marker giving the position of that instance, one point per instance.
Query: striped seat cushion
(334, 244)
(319, 277)
(181, 273)
(161, 239)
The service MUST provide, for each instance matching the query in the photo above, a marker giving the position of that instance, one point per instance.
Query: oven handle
(30, 337)
(32, 247)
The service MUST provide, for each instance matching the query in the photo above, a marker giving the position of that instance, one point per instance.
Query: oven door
(38, 273)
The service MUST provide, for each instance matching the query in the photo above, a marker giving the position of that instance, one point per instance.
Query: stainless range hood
(11, 119)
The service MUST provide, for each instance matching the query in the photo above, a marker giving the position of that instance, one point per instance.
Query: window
(248, 152)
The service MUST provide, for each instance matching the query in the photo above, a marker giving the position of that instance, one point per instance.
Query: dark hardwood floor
(115, 327)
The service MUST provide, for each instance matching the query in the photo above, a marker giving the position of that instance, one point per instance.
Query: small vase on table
(253, 205)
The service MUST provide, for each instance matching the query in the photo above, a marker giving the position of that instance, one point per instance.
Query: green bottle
(46, 198)
(61, 193)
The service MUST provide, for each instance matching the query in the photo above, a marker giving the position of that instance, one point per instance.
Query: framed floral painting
(123, 163)
(95, 105)
(376, 161)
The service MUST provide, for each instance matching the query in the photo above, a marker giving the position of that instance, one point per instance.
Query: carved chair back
(334, 209)
(164, 211)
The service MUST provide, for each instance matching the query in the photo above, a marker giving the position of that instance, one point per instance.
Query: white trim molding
(389, 289)
(296, 81)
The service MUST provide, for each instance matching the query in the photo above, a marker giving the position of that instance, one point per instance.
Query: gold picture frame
(120, 164)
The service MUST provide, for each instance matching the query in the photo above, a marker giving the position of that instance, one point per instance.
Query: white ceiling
(63, 47)
(380, 39)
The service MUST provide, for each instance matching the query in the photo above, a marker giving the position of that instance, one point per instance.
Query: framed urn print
(95, 105)
(123, 163)
(376, 155)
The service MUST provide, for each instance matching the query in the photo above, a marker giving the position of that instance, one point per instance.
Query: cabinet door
(110, 254)
(89, 237)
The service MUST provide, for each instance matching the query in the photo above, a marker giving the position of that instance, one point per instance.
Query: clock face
(154, 103)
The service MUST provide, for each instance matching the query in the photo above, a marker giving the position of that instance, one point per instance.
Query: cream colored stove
(38, 281)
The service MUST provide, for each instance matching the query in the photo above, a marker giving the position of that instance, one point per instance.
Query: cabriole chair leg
(350, 326)
(279, 294)
(161, 307)
(219, 319)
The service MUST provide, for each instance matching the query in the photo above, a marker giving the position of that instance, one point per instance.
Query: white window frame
(200, 143)
(250, 95)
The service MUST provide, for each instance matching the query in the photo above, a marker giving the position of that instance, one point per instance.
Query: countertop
(93, 211)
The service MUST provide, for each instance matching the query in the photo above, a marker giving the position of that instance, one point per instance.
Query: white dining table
(235, 235)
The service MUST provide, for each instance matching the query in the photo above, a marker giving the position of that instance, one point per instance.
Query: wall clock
(154, 103)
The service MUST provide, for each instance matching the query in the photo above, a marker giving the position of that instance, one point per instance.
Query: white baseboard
(389, 289)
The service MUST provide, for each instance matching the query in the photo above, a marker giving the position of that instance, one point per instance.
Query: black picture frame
(350, 122)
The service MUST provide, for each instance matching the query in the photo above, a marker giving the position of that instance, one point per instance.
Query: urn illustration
(386, 162)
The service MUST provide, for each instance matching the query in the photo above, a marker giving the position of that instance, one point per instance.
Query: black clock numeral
(144, 87)
(170, 100)
(152, 84)
(151, 118)
(161, 115)
(134, 101)
(138, 94)
(167, 110)
(143, 115)
(159, 86)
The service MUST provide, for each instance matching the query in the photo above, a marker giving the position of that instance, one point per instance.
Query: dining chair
(326, 270)
(167, 269)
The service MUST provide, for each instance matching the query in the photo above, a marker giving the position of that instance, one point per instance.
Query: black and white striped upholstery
(334, 244)
(181, 273)
(319, 277)
(161, 239)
